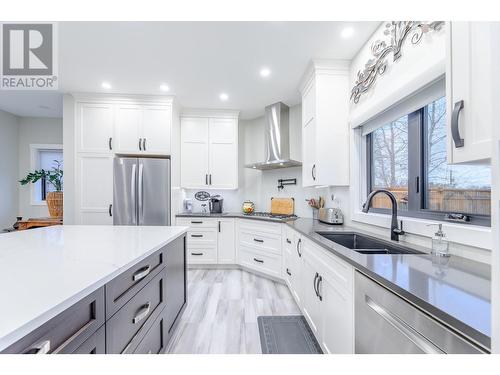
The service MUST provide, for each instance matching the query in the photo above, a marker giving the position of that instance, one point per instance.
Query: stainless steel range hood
(276, 139)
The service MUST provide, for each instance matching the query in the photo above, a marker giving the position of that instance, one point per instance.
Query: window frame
(34, 165)
(417, 176)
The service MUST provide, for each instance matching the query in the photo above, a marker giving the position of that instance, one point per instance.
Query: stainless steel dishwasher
(385, 323)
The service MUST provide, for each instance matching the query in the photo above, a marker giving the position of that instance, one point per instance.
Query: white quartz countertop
(44, 271)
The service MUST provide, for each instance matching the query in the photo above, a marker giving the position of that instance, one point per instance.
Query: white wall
(34, 130)
(9, 135)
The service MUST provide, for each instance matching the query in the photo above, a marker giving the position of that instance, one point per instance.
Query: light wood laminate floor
(222, 310)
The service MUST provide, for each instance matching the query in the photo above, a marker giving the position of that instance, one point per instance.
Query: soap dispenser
(440, 245)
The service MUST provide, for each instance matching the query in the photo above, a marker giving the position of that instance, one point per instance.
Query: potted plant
(54, 177)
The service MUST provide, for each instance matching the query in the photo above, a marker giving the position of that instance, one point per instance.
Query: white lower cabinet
(226, 249)
(292, 263)
(328, 299)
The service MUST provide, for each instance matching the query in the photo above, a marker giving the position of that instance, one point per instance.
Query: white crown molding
(323, 66)
(215, 113)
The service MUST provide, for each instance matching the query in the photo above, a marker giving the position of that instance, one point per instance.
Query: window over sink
(408, 157)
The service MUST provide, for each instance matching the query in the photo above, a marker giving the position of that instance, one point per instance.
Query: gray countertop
(455, 290)
(233, 215)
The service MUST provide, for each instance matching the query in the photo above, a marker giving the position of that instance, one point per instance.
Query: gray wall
(9, 136)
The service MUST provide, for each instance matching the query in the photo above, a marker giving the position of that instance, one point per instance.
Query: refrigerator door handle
(133, 183)
(140, 195)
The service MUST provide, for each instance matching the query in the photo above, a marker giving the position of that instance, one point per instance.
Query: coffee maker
(215, 204)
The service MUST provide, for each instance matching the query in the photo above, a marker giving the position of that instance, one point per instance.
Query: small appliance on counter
(215, 204)
(331, 216)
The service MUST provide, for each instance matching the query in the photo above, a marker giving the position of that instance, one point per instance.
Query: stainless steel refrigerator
(141, 191)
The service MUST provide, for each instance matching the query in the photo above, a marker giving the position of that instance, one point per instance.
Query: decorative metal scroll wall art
(399, 31)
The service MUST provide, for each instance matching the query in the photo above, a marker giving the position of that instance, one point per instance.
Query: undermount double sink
(366, 245)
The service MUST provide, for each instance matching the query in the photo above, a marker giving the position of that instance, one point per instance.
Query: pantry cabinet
(470, 96)
(94, 188)
(209, 152)
(325, 129)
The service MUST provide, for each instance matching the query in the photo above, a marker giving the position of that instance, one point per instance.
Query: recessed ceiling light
(164, 87)
(106, 85)
(265, 72)
(347, 32)
(223, 97)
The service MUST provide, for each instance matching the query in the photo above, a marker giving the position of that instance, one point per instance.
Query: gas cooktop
(272, 216)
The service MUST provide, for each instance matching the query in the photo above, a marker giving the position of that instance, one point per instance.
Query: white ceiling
(198, 60)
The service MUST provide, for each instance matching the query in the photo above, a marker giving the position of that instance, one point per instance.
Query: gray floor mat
(287, 335)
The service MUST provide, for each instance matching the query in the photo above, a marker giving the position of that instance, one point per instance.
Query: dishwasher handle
(424, 344)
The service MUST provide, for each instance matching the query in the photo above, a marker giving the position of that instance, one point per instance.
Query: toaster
(331, 216)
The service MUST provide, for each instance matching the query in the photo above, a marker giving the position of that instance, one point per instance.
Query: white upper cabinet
(143, 129)
(325, 128)
(194, 152)
(94, 127)
(470, 90)
(209, 152)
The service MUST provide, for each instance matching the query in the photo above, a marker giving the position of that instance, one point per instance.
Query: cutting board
(282, 206)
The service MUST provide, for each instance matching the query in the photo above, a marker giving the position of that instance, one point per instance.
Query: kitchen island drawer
(95, 344)
(266, 263)
(155, 340)
(202, 255)
(128, 326)
(122, 288)
(67, 331)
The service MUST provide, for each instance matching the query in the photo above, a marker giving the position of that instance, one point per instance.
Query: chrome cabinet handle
(143, 312)
(197, 254)
(258, 260)
(206, 179)
(42, 347)
(144, 144)
(455, 132)
(210, 179)
(197, 235)
(288, 272)
(313, 172)
(425, 345)
(110, 210)
(288, 241)
(141, 274)
(140, 144)
(196, 222)
(298, 247)
(110, 143)
(258, 240)
(314, 284)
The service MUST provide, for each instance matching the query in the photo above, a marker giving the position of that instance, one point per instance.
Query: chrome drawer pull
(142, 273)
(143, 312)
(257, 240)
(258, 260)
(43, 347)
(425, 345)
(196, 253)
(197, 235)
(196, 222)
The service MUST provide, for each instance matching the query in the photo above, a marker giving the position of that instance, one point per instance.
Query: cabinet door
(194, 153)
(337, 318)
(94, 189)
(309, 171)
(128, 128)
(296, 264)
(94, 127)
(156, 127)
(226, 246)
(311, 303)
(223, 154)
(470, 70)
